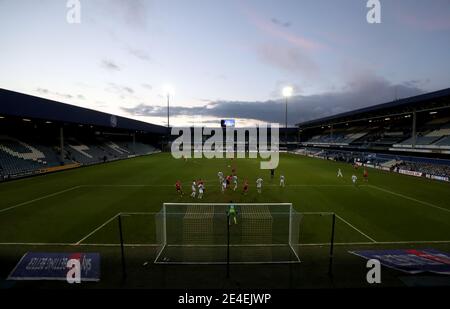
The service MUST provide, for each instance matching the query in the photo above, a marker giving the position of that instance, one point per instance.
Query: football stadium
(112, 190)
(285, 159)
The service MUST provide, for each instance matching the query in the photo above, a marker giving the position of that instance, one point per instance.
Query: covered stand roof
(22, 105)
(428, 101)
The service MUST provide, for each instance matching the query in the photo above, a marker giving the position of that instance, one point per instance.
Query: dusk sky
(225, 59)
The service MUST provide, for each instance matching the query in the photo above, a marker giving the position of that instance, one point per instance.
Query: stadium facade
(410, 136)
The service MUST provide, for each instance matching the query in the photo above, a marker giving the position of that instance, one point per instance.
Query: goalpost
(203, 233)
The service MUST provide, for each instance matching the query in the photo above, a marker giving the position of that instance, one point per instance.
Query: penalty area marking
(355, 228)
(409, 198)
(39, 198)
(96, 230)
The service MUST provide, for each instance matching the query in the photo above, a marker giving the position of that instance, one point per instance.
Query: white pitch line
(267, 185)
(227, 204)
(202, 213)
(379, 243)
(413, 242)
(318, 213)
(35, 244)
(302, 245)
(224, 262)
(141, 213)
(355, 228)
(139, 185)
(225, 245)
(97, 229)
(59, 244)
(39, 198)
(325, 186)
(125, 186)
(409, 198)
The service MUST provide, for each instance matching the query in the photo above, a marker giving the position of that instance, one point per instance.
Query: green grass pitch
(74, 207)
(77, 210)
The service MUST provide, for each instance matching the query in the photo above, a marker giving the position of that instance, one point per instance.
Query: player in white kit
(235, 181)
(201, 188)
(354, 178)
(259, 182)
(339, 174)
(224, 185)
(194, 189)
(282, 181)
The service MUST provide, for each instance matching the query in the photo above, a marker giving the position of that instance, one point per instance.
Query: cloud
(147, 86)
(59, 95)
(128, 89)
(222, 76)
(288, 58)
(367, 90)
(133, 12)
(109, 65)
(42, 90)
(291, 52)
(119, 89)
(273, 29)
(434, 23)
(277, 22)
(140, 54)
(424, 15)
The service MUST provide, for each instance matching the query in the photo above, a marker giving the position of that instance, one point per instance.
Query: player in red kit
(178, 187)
(228, 180)
(245, 187)
(366, 175)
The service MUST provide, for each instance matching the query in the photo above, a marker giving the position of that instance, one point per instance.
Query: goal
(203, 233)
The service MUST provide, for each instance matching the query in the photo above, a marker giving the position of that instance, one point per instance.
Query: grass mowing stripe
(409, 198)
(39, 198)
(355, 228)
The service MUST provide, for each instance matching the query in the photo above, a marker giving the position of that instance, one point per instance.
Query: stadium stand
(40, 136)
(425, 168)
(411, 134)
(23, 158)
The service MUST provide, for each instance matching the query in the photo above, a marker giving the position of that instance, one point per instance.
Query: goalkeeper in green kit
(232, 212)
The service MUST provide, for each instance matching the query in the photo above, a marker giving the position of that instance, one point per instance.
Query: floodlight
(287, 91)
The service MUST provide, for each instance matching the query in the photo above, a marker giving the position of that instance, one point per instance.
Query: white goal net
(203, 233)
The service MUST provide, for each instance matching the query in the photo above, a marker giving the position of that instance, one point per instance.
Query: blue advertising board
(53, 266)
(412, 261)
